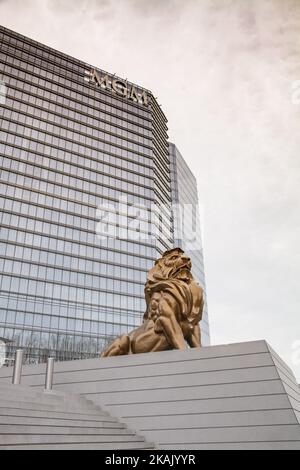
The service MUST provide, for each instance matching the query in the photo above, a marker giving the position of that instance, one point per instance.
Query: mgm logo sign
(118, 86)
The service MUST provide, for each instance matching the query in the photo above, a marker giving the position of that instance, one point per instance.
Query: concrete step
(59, 406)
(70, 422)
(34, 419)
(20, 390)
(41, 429)
(28, 439)
(10, 386)
(26, 390)
(85, 446)
(47, 398)
(23, 389)
(64, 414)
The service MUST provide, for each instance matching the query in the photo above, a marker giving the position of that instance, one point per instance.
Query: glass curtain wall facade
(187, 222)
(71, 141)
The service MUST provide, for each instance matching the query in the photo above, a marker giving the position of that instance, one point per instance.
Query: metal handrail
(49, 374)
(17, 373)
(18, 365)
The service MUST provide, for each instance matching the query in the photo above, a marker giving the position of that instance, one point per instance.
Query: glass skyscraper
(85, 200)
(187, 233)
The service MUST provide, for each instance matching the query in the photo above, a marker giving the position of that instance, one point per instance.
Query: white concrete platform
(236, 396)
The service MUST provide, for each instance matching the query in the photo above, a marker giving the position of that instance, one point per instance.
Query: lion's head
(172, 265)
(171, 276)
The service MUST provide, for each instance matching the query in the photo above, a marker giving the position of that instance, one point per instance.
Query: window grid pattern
(67, 147)
(184, 191)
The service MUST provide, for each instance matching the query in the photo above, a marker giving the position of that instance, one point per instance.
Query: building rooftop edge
(86, 64)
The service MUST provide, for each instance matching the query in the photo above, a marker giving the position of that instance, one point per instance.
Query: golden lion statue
(174, 309)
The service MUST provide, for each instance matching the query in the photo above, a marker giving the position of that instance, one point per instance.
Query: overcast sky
(223, 72)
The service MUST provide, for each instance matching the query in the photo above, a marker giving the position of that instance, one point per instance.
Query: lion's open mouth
(185, 268)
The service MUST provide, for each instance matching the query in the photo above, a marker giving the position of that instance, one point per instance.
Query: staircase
(31, 419)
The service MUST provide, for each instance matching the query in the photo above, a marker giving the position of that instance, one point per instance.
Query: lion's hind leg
(119, 347)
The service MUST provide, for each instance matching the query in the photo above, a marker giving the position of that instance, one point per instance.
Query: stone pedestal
(237, 396)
